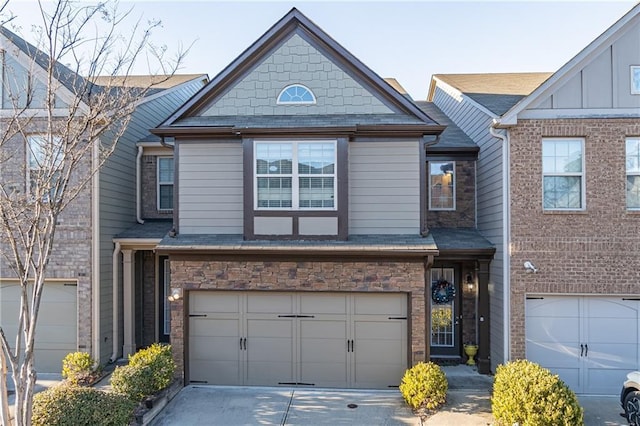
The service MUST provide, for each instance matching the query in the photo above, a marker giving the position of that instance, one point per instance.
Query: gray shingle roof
(460, 239)
(453, 136)
(296, 121)
(151, 229)
(497, 92)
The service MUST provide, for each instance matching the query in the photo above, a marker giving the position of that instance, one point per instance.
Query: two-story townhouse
(323, 223)
(76, 310)
(558, 195)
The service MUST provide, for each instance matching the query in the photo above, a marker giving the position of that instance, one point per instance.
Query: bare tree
(75, 136)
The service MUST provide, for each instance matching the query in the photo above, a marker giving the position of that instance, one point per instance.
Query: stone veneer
(383, 276)
(592, 251)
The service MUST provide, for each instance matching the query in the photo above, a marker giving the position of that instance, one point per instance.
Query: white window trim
(28, 153)
(312, 102)
(158, 183)
(628, 173)
(634, 85)
(582, 175)
(295, 187)
(454, 188)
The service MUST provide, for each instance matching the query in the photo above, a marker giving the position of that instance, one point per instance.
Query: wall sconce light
(530, 267)
(176, 294)
(469, 281)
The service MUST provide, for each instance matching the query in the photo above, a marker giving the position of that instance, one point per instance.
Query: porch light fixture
(176, 294)
(469, 281)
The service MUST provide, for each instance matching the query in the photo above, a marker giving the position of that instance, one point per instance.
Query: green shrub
(66, 405)
(79, 368)
(527, 394)
(424, 386)
(149, 371)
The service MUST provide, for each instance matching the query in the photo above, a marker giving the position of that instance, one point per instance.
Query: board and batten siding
(490, 203)
(604, 82)
(210, 193)
(118, 192)
(384, 188)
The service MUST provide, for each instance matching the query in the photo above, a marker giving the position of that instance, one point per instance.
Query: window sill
(564, 212)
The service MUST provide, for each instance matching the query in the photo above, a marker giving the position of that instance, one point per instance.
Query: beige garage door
(56, 332)
(306, 339)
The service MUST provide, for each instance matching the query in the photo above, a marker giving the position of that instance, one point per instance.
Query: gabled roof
(567, 71)
(292, 22)
(452, 140)
(497, 92)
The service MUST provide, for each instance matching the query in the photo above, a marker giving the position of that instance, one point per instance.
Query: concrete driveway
(222, 405)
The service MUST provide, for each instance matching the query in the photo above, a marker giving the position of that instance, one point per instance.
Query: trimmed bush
(527, 394)
(424, 386)
(79, 368)
(67, 405)
(149, 371)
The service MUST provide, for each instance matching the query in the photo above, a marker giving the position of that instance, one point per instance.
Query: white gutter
(506, 237)
(116, 319)
(95, 249)
(139, 186)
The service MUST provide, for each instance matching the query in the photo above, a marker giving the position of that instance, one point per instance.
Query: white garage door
(56, 332)
(305, 339)
(590, 341)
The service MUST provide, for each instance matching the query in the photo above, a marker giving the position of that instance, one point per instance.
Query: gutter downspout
(506, 236)
(116, 318)
(139, 186)
(95, 251)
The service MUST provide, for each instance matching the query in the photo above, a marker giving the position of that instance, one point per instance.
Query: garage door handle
(581, 350)
(586, 349)
(401, 318)
(243, 340)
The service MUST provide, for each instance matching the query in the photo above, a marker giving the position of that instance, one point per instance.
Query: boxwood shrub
(67, 405)
(149, 371)
(424, 386)
(527, 394)
(79, 368)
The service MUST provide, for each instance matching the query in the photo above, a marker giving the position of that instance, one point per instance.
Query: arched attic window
(296, 94)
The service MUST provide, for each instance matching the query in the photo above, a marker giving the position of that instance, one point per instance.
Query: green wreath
(442, 291)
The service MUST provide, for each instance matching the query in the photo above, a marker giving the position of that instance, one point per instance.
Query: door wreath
(442, 291)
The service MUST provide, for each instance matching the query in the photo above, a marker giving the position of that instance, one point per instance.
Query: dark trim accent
(634, 299)
(541, 298)
(185, 332)
(381, 130)
(466, 254)
(343, 188)
(247, 176)
(262, 256)
(484, 317)
(453, 157)
(294, 213)
(176, 187)
(159, 269)
(424, 230)
(294, 22)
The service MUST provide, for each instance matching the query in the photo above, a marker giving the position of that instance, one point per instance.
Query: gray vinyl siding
(490, 203)
(604, 82)
(17, 80)
(384, 188)
(210, 188)
(118, 191)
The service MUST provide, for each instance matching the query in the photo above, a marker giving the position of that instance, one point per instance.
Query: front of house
(323, 224)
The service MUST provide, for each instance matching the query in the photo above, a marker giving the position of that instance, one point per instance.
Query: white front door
(591, 342)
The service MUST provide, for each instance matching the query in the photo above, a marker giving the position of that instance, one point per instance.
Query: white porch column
(129, 306)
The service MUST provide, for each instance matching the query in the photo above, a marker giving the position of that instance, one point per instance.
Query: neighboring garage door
(590, 341)
(56, 332)
(307, 339)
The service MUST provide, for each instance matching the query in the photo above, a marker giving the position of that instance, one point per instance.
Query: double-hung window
(165, 183)
(442, 194)
(563, 174)
(45, 155)
(633, 173)
(295, 175)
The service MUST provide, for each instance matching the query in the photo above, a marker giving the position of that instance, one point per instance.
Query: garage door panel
(217, 372)
(605, 381)
(571, 376)
(322, 329)
(275, 303)
(275, 328)
(550, 306)
(612, 308)
(209, 327)
(214, 301)
(549, 329)
(374, 375)
(376, 304)
(379, 330)
(329, 303)
(612, 355)
(607, 330)
(557, 355)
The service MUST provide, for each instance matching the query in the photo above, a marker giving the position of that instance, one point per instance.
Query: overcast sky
(406, 40)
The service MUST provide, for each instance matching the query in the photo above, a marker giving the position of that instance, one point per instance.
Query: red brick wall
(589, 252)
(301, 276)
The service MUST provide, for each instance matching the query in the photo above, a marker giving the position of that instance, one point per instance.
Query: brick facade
(464, 216)
(594, 251)
(383, 276)
(150, 189)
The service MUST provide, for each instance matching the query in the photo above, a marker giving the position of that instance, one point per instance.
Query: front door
(445, 323)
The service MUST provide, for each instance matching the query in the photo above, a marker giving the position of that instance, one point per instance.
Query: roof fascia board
(473, 102)
(281, 30)
(580, 113)
(592, 50)
(40, 73)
